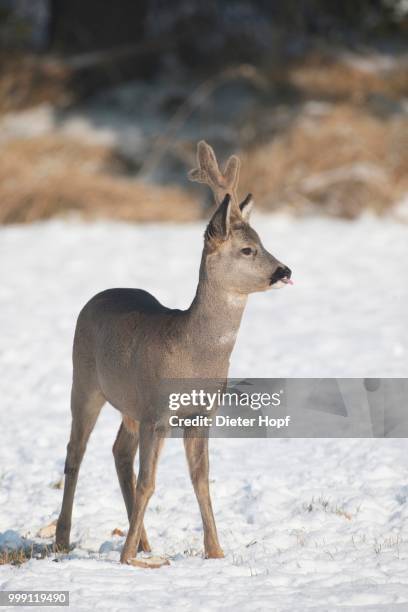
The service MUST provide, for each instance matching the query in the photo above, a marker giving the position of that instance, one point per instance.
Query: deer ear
(246, 207)
(219, 225)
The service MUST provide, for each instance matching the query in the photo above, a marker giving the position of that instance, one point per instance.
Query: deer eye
(247, 251)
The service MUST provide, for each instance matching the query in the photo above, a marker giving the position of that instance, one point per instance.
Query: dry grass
(49, 176)
(22, 555)
(340, 161)
(27, 80)
(324, 505)
(319, 76)
(14, 557)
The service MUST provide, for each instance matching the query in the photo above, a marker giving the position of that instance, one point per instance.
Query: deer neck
(215, 315)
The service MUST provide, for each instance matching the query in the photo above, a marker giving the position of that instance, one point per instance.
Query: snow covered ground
(305, 524)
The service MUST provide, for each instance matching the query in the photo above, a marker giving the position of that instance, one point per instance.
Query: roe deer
(126, 342)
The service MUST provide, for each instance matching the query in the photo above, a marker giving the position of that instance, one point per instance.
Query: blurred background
(101, 105)
(101, 108)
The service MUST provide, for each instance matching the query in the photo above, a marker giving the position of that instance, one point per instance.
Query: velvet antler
(208, 172)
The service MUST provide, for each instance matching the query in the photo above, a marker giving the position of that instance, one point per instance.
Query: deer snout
(283, 274)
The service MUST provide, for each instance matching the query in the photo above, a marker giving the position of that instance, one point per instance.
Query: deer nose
(287, 272)
(280, 273)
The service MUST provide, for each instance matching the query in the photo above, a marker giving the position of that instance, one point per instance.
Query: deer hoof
(149, 562)
(215, 553)
(144, 547)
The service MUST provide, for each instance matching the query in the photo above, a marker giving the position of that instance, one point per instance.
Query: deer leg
(124, 451)
(85, 408)
(196, 446)
(151, 442)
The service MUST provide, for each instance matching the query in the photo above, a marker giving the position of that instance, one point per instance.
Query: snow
(305, 524)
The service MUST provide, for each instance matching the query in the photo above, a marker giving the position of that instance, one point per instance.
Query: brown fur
(131, 425)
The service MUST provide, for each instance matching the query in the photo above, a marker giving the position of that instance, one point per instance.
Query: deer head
(235, 256)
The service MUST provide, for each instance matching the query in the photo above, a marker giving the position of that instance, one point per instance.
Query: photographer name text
(227, 421)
